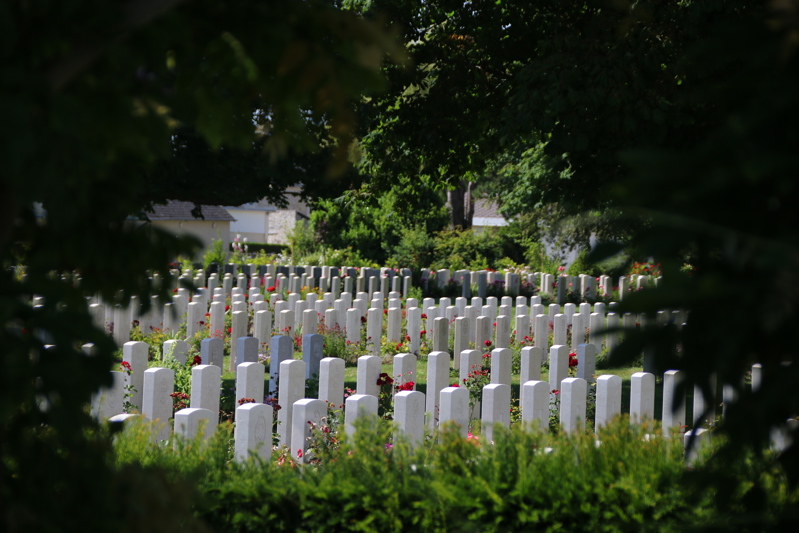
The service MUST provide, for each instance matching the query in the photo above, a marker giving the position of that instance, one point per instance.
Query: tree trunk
(462, 205)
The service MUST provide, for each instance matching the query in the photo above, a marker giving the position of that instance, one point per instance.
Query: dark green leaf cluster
(109, 107)
(723, 225)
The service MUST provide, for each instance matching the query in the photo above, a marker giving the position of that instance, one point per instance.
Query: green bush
(257, 247)
(374, 225)
(523, 481)
(414, 249)
(302, 240)
(215, 254)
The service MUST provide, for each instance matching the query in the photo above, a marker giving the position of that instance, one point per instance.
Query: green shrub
(302, 240)
(215, 254)
(414, 249)
(258, 247)
(538, 260)
(523, 481)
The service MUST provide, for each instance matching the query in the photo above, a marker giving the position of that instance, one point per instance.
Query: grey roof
(295, 203)
(177, 210)
(486, 209)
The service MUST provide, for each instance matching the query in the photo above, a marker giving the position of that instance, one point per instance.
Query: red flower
(363, 320)
(384, 379)
(487, 343)
(299, 453)
(408, 385)
(246, 400)
(424, 315)
(271, 289)
(196, 361)
(229, 331)
(555, 391)
(385, 311)
(227, 308)
(125, 366)
(423, 332)
(456, 384)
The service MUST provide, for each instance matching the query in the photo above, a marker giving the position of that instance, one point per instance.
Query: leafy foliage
(524, 480)
(110, 107)
(725, 206)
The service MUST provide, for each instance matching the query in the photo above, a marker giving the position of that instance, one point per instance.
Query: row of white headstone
(413, 411)
(386, 279)
(475, 323)
(192, 309)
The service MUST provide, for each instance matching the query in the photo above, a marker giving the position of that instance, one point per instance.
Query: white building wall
(251, 224)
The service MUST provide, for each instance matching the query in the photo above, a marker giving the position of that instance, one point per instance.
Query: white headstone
(437, 379)
(358, 406)
(331, 381)
(531, 359)
(642, 397)
(250, 382)
(608, 400)
(501, 366)
(496, 408)
(409, 408)
(193, 421)
(206, 382)
(405, 369)
(159, 383)
(292, 389)
(307, 414)
(136, 353)
(455, 408)
(535, 404)
(558, 365)
(573, 394)
(673, 404)
(369, 368)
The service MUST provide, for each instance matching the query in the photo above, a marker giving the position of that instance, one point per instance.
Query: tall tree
(537, 98)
